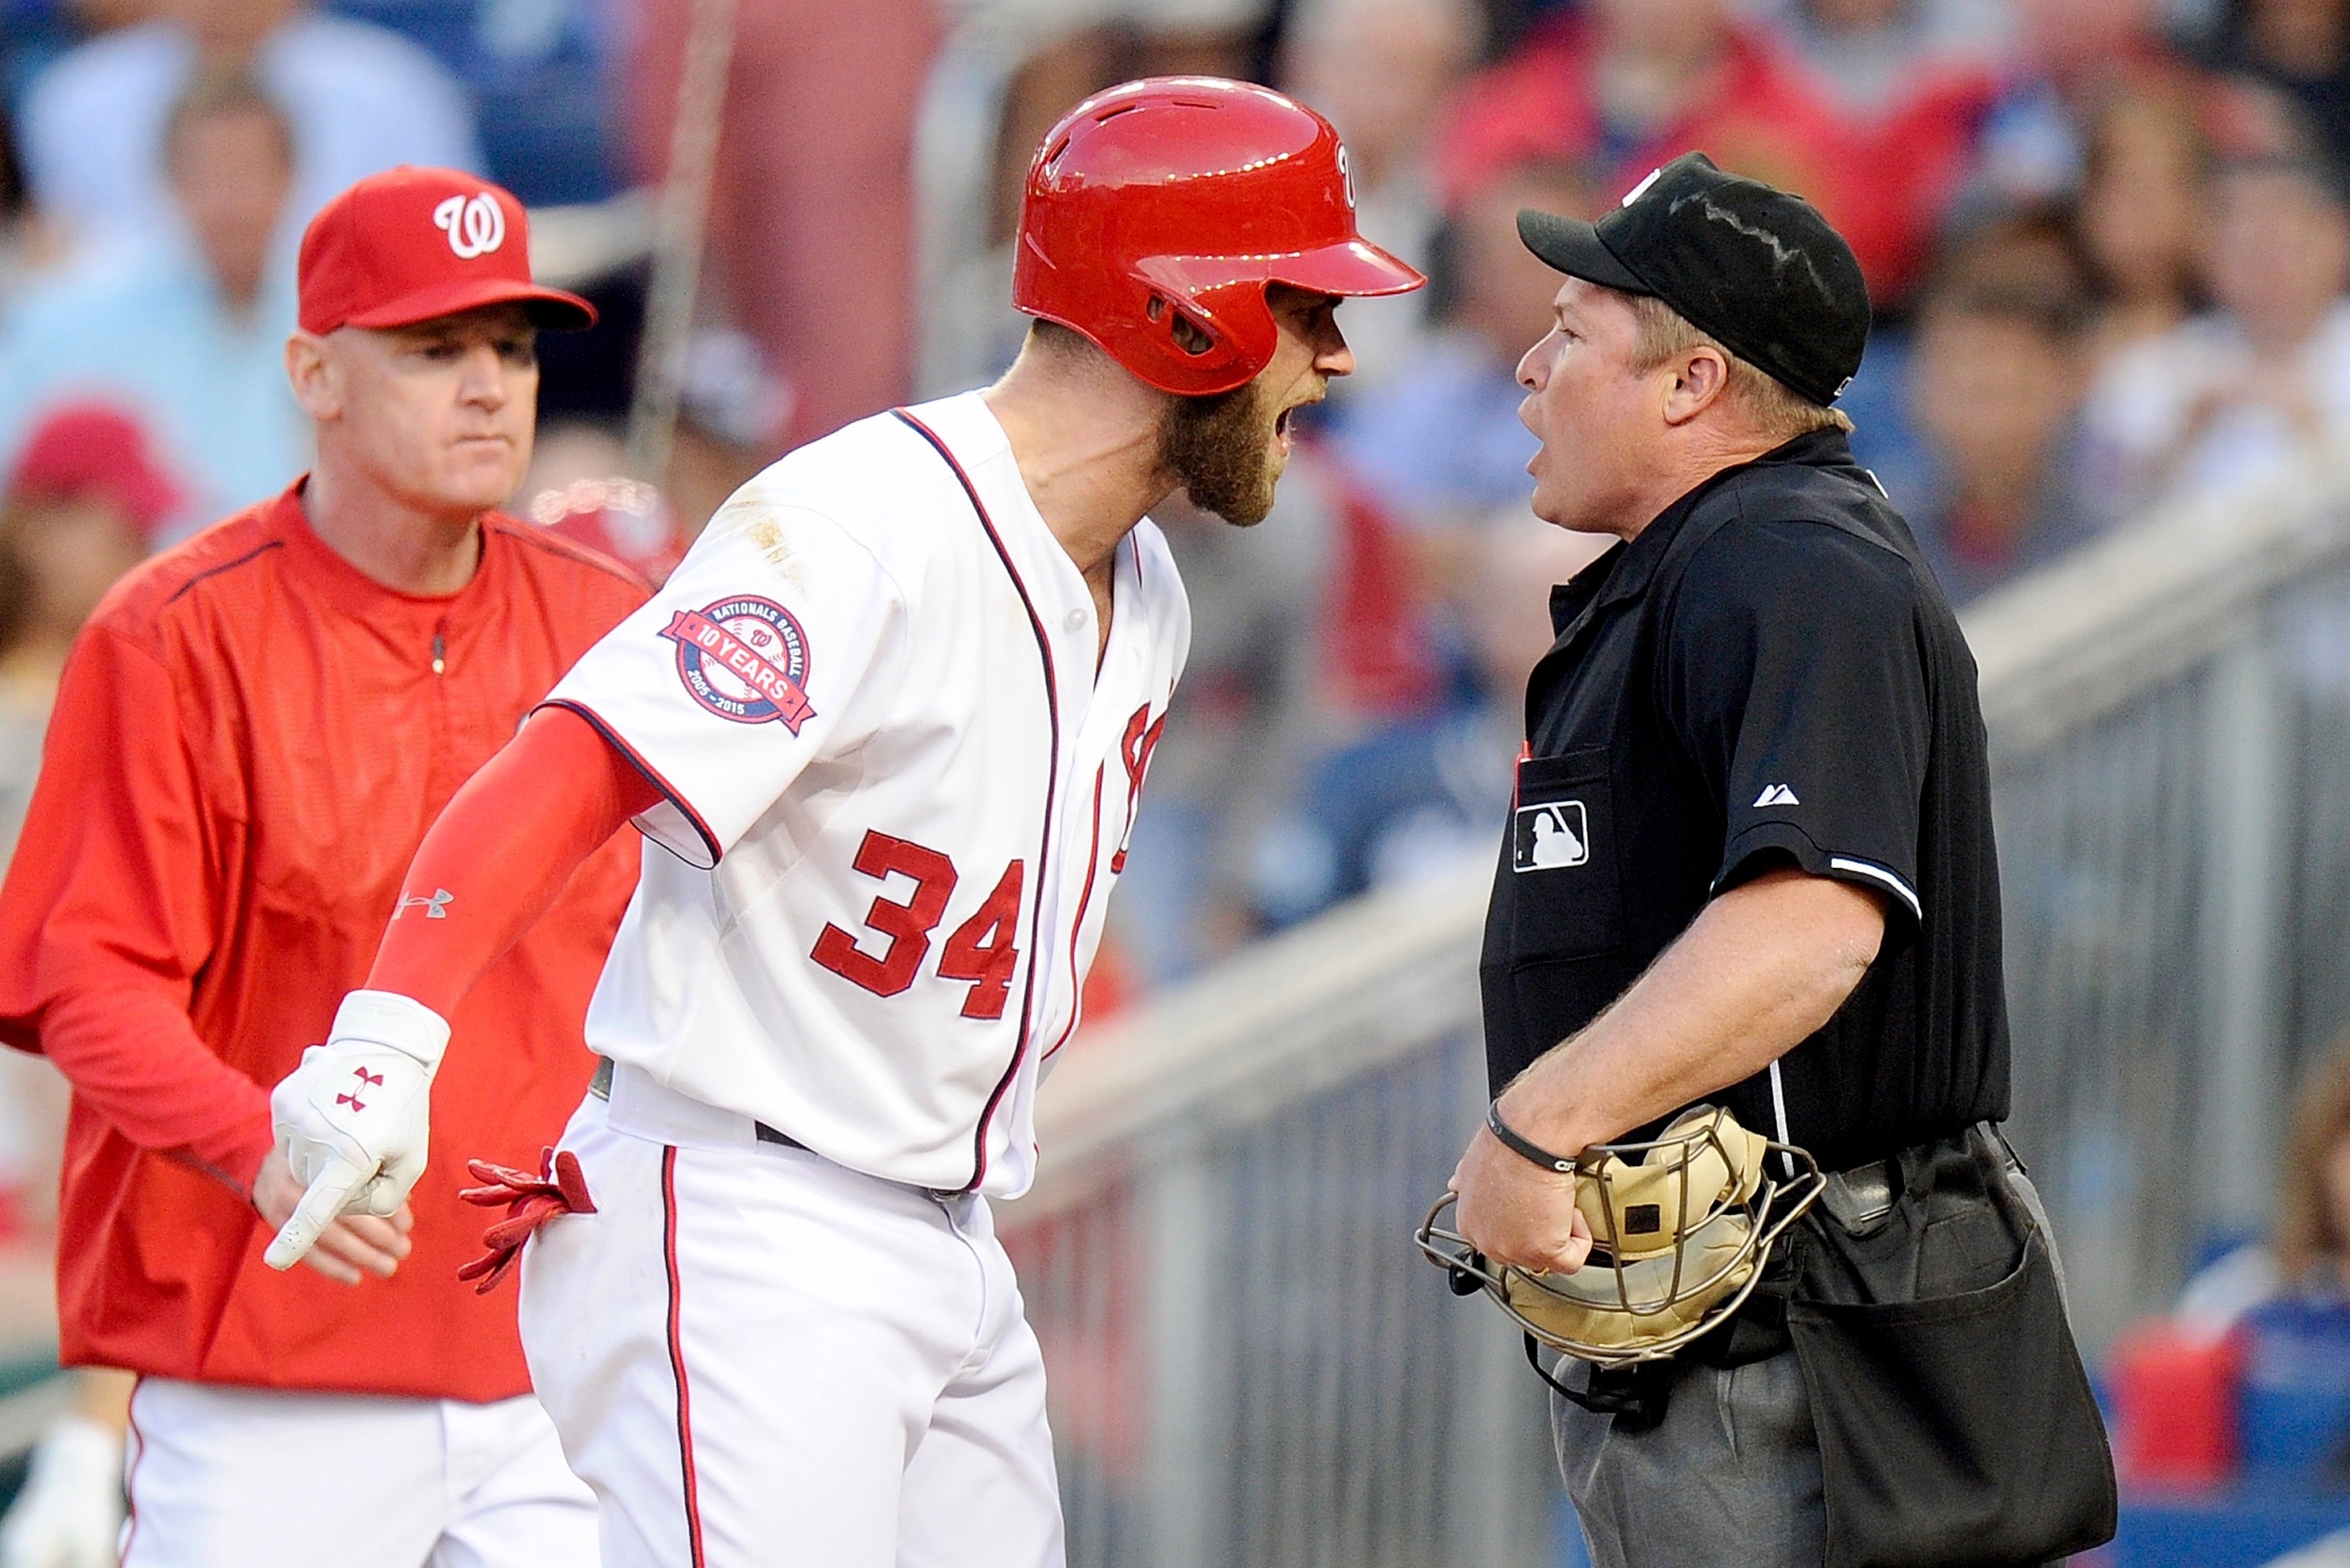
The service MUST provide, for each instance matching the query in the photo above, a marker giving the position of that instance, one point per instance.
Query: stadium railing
(1251, 1365)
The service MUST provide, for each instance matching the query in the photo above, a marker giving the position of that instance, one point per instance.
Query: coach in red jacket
(254, 731)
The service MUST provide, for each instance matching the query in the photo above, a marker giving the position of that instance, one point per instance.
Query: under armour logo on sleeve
(436, 907)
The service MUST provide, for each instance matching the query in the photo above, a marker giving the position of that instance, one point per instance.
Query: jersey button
(1074, 620)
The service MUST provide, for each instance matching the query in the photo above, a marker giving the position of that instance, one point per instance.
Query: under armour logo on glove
(530, 1201)
(367, 1080)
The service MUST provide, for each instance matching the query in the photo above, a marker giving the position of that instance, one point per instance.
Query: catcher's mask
(1681, 1227)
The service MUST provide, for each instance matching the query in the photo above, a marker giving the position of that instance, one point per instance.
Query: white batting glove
(70, 1514)
(352, 1119)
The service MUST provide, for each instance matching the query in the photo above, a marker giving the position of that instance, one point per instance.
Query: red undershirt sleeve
(136, 1058)
(500, 853)
(108, 915)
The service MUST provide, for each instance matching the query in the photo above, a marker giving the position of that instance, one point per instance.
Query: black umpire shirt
(1767, 675)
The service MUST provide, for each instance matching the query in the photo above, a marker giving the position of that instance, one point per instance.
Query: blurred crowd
(2248, 1374)
(2108, 243)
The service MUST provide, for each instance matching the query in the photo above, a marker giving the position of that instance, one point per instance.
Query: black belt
(1860, 1196)
(600, 1085)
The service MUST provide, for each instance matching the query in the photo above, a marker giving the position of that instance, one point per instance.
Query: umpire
(1751, 864)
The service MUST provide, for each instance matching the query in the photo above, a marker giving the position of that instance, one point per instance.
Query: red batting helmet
(1184, 197)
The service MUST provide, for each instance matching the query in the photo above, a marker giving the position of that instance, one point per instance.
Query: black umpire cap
(1754, 267)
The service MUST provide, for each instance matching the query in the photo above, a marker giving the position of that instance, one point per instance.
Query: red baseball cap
(411, 244)
(95, 449)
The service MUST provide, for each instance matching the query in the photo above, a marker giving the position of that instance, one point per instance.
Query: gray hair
(1775, 409)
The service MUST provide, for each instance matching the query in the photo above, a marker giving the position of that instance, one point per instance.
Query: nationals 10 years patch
(745, 659)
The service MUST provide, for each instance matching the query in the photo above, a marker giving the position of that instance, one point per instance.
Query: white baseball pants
(757, 1356)
(252, 1478)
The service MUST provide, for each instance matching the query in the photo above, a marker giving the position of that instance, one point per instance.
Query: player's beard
(1221, 448)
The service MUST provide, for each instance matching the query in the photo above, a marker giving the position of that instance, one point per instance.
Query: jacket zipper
(440, 650)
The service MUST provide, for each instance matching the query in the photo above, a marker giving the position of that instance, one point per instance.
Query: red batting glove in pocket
(530, 1201)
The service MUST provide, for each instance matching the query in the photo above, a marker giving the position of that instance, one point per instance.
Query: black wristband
(1524, 1148)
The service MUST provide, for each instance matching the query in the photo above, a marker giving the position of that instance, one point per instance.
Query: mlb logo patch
(1548, 836)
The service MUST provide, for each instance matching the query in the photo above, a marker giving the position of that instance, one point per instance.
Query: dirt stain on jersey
(764, 533)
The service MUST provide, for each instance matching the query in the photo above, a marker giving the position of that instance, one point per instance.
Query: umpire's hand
(1515, 1211)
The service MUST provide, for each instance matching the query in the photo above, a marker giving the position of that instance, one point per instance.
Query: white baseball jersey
(898, 788)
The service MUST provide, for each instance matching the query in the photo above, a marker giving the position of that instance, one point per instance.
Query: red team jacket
(250, 741)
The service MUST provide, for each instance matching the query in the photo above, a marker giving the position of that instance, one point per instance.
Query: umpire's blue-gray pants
(1731, 1474)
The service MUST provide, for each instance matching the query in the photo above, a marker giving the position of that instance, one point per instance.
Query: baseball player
(252, 733)
(886, 728)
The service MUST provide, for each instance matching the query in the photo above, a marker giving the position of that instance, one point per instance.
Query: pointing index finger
(322, 1202)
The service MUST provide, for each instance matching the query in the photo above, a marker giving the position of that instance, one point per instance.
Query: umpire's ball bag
(1956, 1426)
